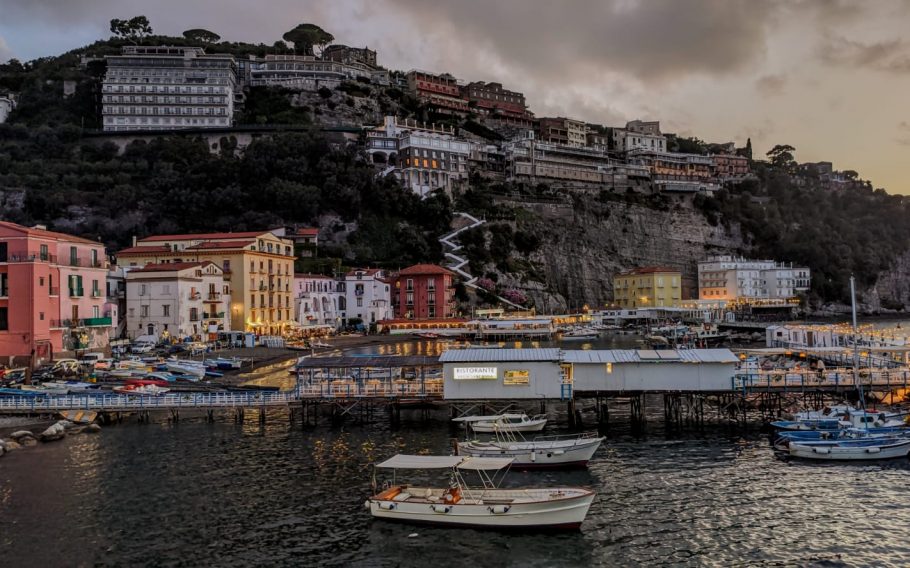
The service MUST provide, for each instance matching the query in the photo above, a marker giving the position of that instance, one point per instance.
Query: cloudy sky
(829, 77)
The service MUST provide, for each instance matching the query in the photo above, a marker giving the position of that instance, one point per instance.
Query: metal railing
(31, 258)
(137, 402)
(813, 379)
(371, 389)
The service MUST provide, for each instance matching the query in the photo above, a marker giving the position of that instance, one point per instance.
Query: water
(233, 495)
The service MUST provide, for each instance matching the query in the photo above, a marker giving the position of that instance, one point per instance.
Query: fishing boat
(70, 387)
(581, 333)
(227, 364)
(52, 389)
(487, 506)
(185, 367)
(150, 390)
(507, 422)
(873, 448)
(564, 451)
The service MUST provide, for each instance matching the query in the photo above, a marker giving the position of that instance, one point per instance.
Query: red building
(423, 291)
(442, 91)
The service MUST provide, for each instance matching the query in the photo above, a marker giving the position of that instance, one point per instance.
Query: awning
(486, 464)
(405, 461)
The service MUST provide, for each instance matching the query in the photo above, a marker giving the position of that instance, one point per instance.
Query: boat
(227, 364)
(428, 335)
(78, 416)
(487, 506)
(507, 422)
(186, 367)
(873, 448)
(51, 389)
(574, 450)
(70, 387)
(150, 390)
(581, 333)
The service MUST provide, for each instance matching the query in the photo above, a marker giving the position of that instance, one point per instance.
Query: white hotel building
(728, 278)
(163, 87)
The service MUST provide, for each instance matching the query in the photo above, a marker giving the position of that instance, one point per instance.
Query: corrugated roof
(650, 356)
(494, 355)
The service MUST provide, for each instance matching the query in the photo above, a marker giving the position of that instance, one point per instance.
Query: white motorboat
(541, 452)
(482, 507)
(581, 333)
(47, 388)
(507, 422)
(851, 450)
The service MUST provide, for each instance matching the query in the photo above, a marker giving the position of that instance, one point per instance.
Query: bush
(324, 93)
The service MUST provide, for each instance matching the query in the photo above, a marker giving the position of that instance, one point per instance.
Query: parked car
(88, 360)
(142, 347)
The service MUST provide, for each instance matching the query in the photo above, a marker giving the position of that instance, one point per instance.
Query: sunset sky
(826, 76)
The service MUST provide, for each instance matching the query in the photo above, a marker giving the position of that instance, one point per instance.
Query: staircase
(457, 263)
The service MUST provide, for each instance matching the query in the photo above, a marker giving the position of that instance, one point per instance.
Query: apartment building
(367, 296)
(743, 280)
(164, 87)
(499, 104)
(439, 90)
(423, 291)
(258, 267)
(424, 157)
(648, 287)
(177, 299)
(52, 293)
(561, 130)
(319, 300)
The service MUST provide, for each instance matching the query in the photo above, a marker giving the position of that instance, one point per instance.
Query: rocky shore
(22, 439)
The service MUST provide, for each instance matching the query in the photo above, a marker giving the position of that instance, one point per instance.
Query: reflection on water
(229, 495)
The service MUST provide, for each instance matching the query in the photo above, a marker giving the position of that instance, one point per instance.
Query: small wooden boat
(185, 367)
(486, 506)
(541, 452)
(507, 422)
(851, 450)
(78, 416)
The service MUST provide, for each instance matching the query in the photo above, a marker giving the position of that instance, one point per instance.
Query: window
(142, 290)
(41, 316)
(74, 257)
(409, 284)
(4, 319)
(96, 312)
(44, 254)
(166, 310)
(359, 302)
(95, 258)
(165, 288)
(409, 299)
(3, 252)
(4, 290)
(226, 265)
(144, 311)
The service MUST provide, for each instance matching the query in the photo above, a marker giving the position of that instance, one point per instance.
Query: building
(257, 265)
(741, 280)
(499, 104)
(648, 287)
(318, 301)
(305, 72)
(367, 297)
(52, 293)
(638, 135)
(441, 91)
(673, 171)
(7, 104)
(649, 127)
(425, 158)
(730, 167)
(597, 140)
(423, 291)
(116, 299)
(560, 130)
(177, 299)
(306, 241)
(164, 88)
(349, 55)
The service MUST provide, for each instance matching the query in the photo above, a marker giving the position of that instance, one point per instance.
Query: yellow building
(258, 271)
(648, 287)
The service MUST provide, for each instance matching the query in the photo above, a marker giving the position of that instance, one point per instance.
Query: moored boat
(481, 507)
(506, 422)
(541, 452)
(851, 450)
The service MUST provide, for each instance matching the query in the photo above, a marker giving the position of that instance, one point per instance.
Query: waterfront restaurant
(551, 373)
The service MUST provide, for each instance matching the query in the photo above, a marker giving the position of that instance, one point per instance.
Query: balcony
(96, 293)
(217, 316)
(87, 322)
(76, 292)
(97, 322)
(31, 258)
(213, 297)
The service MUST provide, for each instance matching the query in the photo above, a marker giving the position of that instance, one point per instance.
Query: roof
(648, 270)
(221, 245)
(405, 461)
(496, 355)
(203, 236)
(33, 232)
(146, 250)
(366, 271)
(308, 275)
(354, 361)
(425, 269)
(169, 266)
(649, 356)
(307, 232)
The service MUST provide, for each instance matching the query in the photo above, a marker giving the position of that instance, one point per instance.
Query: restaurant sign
(474, 373)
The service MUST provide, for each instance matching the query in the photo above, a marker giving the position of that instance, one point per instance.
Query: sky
(829, 77)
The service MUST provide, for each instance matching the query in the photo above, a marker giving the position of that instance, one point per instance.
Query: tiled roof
(312, 276)
(203, 236)
(33, 232)
(145, 250)
(307, 232)
(425, 269)
(366, 271)
(221, 245)
(169, 266)
(648, 270)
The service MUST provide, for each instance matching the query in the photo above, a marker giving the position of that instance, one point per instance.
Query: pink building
(52, 294)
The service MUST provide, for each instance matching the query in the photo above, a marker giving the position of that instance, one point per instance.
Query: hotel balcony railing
(54, 291)
(87, 322)
(219, 315)
(77, 292)
(97, 322)
(214, 296)
(30, 258)
(96, 293)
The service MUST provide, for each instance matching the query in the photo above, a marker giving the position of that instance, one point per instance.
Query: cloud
(5, 52)
(770, 85)
(891, 55)
(903, 130)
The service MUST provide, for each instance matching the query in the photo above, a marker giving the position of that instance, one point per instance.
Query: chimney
(134, 240)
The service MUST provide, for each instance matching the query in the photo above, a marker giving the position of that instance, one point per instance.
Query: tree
(781, 156)
(851, 174)
(307, 36)
(203, 35)
(133, 29)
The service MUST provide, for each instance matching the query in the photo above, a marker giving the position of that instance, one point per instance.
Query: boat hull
(492, 426)
(849, 452)
(531, 455)
(566, 513)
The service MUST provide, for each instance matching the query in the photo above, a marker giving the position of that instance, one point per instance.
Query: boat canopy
(405, 461)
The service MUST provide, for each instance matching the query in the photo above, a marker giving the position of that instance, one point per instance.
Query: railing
(31, 258)
(136, 402)
(219, 315)
(214, 296)
(97, 322)
(811, 379)
(372, 389)
(54, 291)
(96, 293)
(76, 292)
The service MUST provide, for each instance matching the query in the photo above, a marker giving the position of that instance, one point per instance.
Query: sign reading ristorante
(472, 373)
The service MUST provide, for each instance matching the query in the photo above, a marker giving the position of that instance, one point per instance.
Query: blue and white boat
(873, 448)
